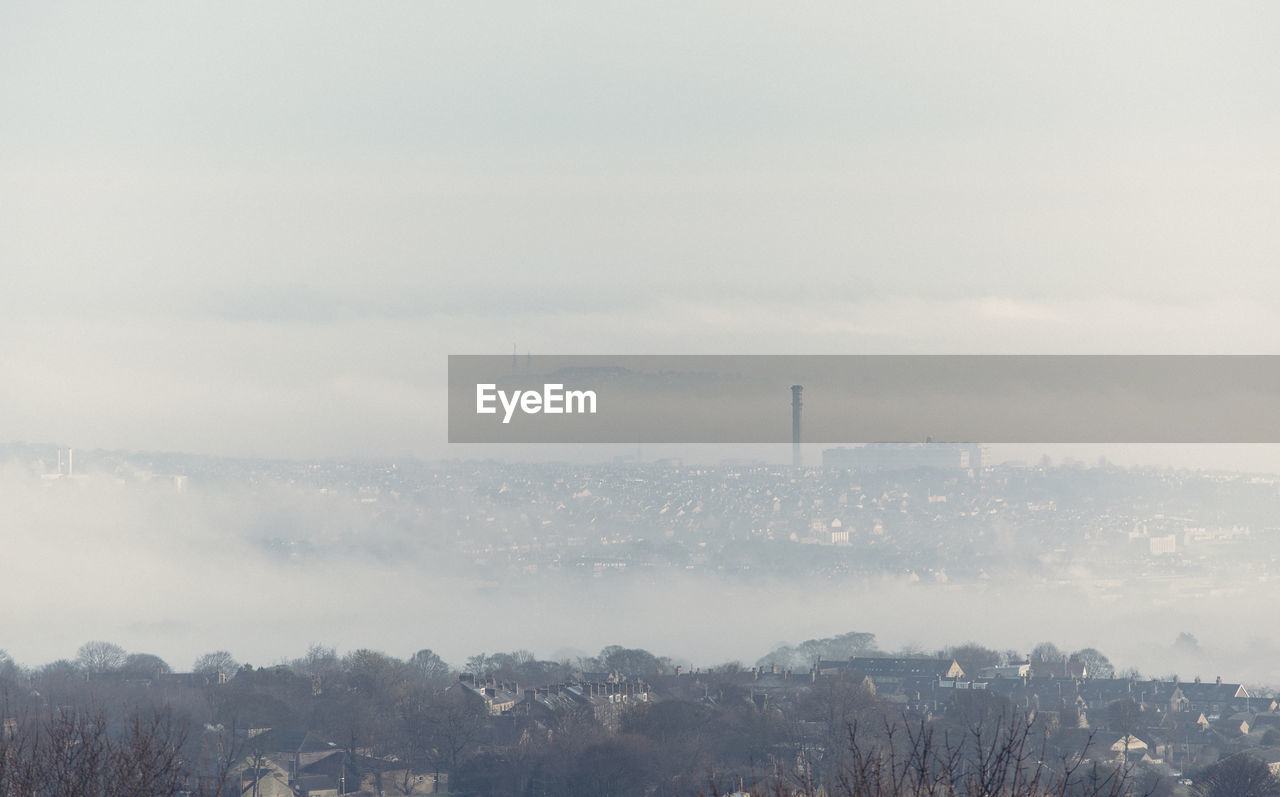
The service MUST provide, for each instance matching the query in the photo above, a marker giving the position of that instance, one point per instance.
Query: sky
(258, 229)
(240, 229)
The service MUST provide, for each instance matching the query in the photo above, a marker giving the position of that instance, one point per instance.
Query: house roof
(1213, 692)
(1123, 741)
(902, 667)
(333, 766)
(308, 782)
(280, 740)
(558, 702)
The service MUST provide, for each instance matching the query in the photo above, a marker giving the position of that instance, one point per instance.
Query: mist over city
(247, 552)
(174, 552)
(424, 612)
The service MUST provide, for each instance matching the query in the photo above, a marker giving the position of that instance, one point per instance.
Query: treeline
(971, 656)
(112, 722)
(203, 726)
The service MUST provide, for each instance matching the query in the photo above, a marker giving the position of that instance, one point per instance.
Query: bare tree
(144, 665)
(220, 750)
(98, 656)
(9, 670)
(457, 721)
(147, 759)
(1047, 652)
(1240, 775)
(219, 661)
(74, 752)
(428, 665)
(1006, 758)
(480, 664)
(1096, 664)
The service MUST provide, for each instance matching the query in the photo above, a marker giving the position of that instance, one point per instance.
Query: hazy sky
(260, 228)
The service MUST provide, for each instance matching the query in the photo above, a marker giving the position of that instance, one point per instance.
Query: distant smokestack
(797, 402)
(70, 471)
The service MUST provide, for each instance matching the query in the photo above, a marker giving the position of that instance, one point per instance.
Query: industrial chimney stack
(797, 402)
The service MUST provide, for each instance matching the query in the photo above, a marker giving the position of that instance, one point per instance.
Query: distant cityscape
(509, 723)
(929, 513)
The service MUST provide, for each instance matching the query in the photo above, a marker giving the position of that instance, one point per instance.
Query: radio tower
(797, 402)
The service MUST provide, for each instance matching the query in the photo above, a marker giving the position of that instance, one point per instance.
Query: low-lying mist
(264, 570)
